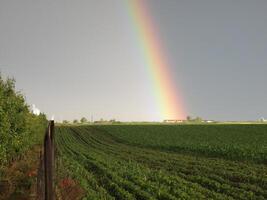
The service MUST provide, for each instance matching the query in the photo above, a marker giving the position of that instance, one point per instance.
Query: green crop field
(165, 161)
(235, 141)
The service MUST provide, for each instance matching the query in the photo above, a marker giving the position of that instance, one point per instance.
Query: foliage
(231, 141)
(20, 177)
(195, 120)
(83, 120)
(110, 168)
(75, 121)
(19, 128)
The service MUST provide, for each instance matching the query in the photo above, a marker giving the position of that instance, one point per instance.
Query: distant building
(209, 121)
(35, 110)
(173, 121)
(263, 120)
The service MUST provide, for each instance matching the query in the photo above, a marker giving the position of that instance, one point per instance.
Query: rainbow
(166, 92)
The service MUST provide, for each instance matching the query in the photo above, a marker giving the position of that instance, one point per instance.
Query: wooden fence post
(49, 162)
(45, 176)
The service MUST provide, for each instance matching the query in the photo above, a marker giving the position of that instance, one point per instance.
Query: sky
(82, 58)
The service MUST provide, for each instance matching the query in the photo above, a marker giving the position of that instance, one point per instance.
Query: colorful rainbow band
(167, 94)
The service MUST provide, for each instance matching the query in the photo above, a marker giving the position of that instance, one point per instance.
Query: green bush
(19, 128)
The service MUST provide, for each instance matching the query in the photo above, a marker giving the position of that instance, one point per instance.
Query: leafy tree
(188, 118)
(83, 120)
(75, 121)
(19, 128)
(198, 119)
(65, 121)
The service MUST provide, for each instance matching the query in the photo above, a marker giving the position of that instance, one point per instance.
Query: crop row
(231, 141)
(109, 169)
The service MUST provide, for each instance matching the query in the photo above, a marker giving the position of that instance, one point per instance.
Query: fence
(45, 176)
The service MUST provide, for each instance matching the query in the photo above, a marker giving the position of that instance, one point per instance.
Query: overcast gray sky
(81, 58)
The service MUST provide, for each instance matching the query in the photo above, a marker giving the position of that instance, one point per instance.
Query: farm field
(165, 161)
(234, 141)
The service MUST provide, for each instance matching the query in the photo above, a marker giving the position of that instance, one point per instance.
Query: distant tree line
(76, 121)
(19, 128)
(196, 119)
(83, 120)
